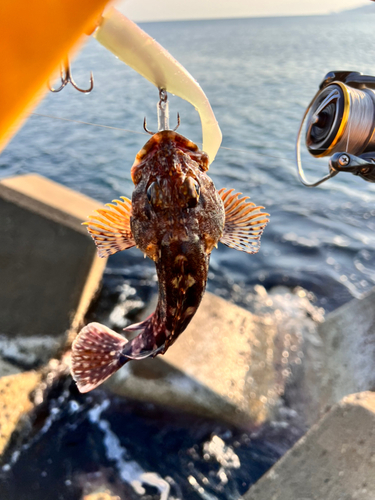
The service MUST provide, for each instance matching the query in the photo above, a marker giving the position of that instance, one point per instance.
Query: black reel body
(341, 122)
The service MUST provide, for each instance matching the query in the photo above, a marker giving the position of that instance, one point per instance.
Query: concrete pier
(334, 461)
(15, 404)
(230, 364)
(49, 270)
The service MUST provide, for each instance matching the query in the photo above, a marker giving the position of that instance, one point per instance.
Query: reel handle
(363, 166)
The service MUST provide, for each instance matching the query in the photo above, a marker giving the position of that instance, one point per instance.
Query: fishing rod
(340, 122)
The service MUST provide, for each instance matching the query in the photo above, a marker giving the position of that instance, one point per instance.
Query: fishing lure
(176, 217)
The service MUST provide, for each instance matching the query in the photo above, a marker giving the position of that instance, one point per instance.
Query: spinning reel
(341, 122)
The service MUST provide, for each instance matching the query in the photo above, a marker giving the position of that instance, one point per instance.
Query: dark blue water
(259, 75)
(78, 443)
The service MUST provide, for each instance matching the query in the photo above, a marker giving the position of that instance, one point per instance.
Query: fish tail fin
(96, 355)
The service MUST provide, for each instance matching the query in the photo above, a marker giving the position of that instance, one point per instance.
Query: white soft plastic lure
(141, 52)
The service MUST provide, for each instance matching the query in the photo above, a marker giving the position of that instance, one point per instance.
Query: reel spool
(341, 122)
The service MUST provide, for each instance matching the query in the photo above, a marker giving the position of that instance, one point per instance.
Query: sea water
(259, 75)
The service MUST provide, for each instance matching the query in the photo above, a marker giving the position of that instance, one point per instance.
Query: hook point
(66, 77)
(178, 122)
(145, 127)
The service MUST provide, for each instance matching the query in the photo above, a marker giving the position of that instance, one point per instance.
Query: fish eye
(151, 191)
(197, 188)
(155, 195)
(190, 192)
(194, 188)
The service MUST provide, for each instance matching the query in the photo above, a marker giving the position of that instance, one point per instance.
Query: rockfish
(176, 217)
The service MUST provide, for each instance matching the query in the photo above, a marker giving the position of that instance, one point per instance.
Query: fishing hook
(145, 127)
(152, 133)
(163, 114)
(178, 122)
(66, 77)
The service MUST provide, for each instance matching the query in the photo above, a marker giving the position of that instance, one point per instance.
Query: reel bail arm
(301, 173)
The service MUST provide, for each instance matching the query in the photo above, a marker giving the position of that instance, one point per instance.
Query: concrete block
(335, 460)
(340, 359)
(8, 368)
(49, 270)
(348, 337)
(15, 403)
(229, 364)
(231, 352)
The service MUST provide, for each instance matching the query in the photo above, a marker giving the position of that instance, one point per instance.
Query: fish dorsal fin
(244, 222)
(110, 227)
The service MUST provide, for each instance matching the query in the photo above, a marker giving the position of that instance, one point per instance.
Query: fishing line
(88, 123)
(361, 120)
(143, 133)
(256, 153)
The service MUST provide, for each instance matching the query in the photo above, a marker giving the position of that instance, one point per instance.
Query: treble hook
(152, 133)
(145, 127)
(163, 114)
(178, 122)
(66, 77)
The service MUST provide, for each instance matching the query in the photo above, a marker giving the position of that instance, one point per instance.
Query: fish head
(174, 198)
(180, 190)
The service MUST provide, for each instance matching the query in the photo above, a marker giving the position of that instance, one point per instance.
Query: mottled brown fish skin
(177, 219)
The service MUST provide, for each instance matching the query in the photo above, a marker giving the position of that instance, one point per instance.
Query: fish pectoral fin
(96, 355)
(244, 222)
(110, 227)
